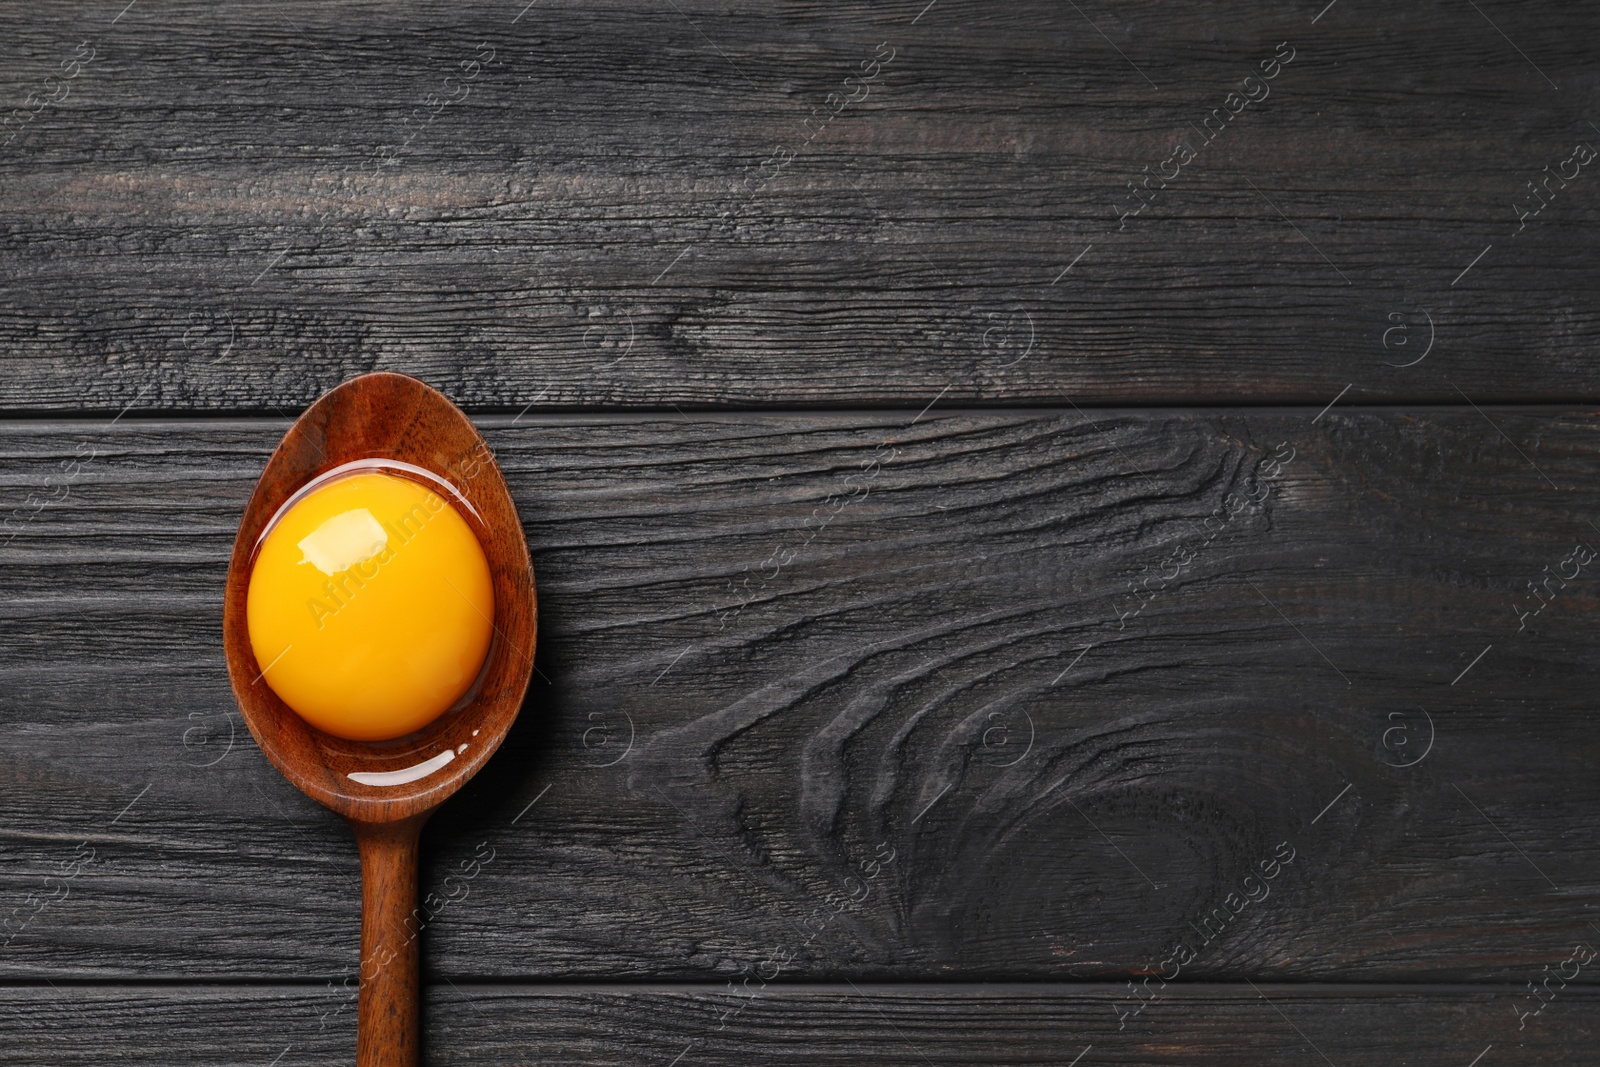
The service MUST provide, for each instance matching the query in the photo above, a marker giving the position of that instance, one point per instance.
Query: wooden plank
(754, 697)
(235, 208)
(822, 1025)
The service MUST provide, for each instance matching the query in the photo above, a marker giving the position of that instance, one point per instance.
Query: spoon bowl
(387, 789)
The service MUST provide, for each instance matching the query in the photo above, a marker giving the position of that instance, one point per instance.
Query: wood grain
(389, 418)
(394, 419)
(821, 1025)
(920, 590)
(235, 208)
(388, 1005)
(1026, 729)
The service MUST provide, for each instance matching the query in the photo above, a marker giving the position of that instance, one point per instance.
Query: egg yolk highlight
(369, 606)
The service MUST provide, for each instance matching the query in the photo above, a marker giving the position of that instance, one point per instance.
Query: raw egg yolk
(369, 606)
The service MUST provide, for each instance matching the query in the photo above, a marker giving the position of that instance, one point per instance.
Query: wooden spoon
(388, 789)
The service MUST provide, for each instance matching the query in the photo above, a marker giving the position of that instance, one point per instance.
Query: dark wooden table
(1066, 533)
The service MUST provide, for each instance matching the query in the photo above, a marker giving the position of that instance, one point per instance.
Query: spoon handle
(386, 1031)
